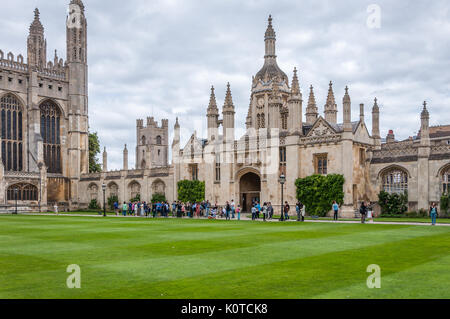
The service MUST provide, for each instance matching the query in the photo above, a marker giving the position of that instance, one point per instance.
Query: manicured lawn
(146, 258)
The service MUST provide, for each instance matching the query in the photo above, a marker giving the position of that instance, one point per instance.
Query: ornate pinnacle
(425, 112)
(375, 106)
(228, 98)
(295, 86)
(270, 33)
(36, 25)
(331, 102)
(212, 100)
(346, 96)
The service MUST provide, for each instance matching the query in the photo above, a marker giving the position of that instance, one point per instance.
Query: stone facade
(44, 151)
(279, 141)
(44, 119)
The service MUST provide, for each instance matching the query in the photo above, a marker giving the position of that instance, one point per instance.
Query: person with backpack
(335, 208)
(433, 214)
(228, 210)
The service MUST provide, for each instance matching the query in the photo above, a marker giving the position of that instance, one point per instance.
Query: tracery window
(446, 181)
(321, 164)
(50, 132)
(135, 189)
(283, 160)
(24, 192)
(93, 192)
(263, 120)
(395, 181)
(284, 117)
(217, 167)
(12, 133)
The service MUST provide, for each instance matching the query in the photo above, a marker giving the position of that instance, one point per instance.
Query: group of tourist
(232, 211)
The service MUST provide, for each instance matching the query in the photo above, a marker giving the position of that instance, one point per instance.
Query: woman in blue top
(336, 210)
(433, 213)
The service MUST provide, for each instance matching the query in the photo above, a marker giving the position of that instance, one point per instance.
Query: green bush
(157, 198)
(445, 198)
(191, 191)
(136, 199)
(393, 204)
(93, 204)
(111, 200)
(317, 192)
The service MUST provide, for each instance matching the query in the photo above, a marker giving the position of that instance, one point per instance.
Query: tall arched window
(446, 181)
(395, 181)
(12, 135)
(23, 192)
(284, 117)
(93, 191)
(50, 132)
(158, 140)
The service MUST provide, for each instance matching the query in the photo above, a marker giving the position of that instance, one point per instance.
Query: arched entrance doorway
(250, 190)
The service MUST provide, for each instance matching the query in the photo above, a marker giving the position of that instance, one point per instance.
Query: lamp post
(104, 199)
(282, 180)
(15, 196)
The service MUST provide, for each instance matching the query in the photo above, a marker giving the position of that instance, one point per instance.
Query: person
(253, 212)
(303, 213)
(433, 213)
(130, 208)
(228, 210)
(286, 210)
(369, 214)
(270, 210)
(142, 209)
(208, 208)
(335, 207)
(238, 211)
(124, 209)
(363, 212)
(298, 208)
(116, 208)
(136, 209)
(197, 210)
(233, 209)
(264, 211)
(258, 210)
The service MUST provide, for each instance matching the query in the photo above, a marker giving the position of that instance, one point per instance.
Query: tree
(317, 192)
(94, 150)
(191, 191)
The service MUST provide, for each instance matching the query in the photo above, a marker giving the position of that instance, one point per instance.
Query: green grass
(146, 258)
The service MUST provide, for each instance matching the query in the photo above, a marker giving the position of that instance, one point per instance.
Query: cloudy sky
(160, 57)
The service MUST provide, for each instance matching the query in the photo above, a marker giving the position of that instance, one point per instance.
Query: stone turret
(295, 107)
(311, 111)
(425, 126)
(125, 158)
(331, 106)
(376, 124)
(228, 116)
(212, 116)
(347, 107)
(105, 161)
(275, 104)
(37, 44)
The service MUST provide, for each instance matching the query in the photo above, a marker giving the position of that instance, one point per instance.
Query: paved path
(247, 218)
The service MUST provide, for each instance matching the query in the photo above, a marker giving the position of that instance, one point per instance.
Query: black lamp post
(15, 196)
(104, 199)
(282, 180)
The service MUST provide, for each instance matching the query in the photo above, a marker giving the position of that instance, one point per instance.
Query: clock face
(261, 102)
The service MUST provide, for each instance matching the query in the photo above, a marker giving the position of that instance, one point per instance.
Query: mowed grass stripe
(312, 277)
(41, 273)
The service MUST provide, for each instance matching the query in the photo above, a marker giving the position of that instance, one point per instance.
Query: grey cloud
(160, 57)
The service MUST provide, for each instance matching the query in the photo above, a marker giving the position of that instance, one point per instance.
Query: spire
(295, 87)
(79, 3)
(177, 125)
(346, 96)
(36, 26)
(228, 105)
(330, 106)
(212, 101)
(375, 107)
(425, 114)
